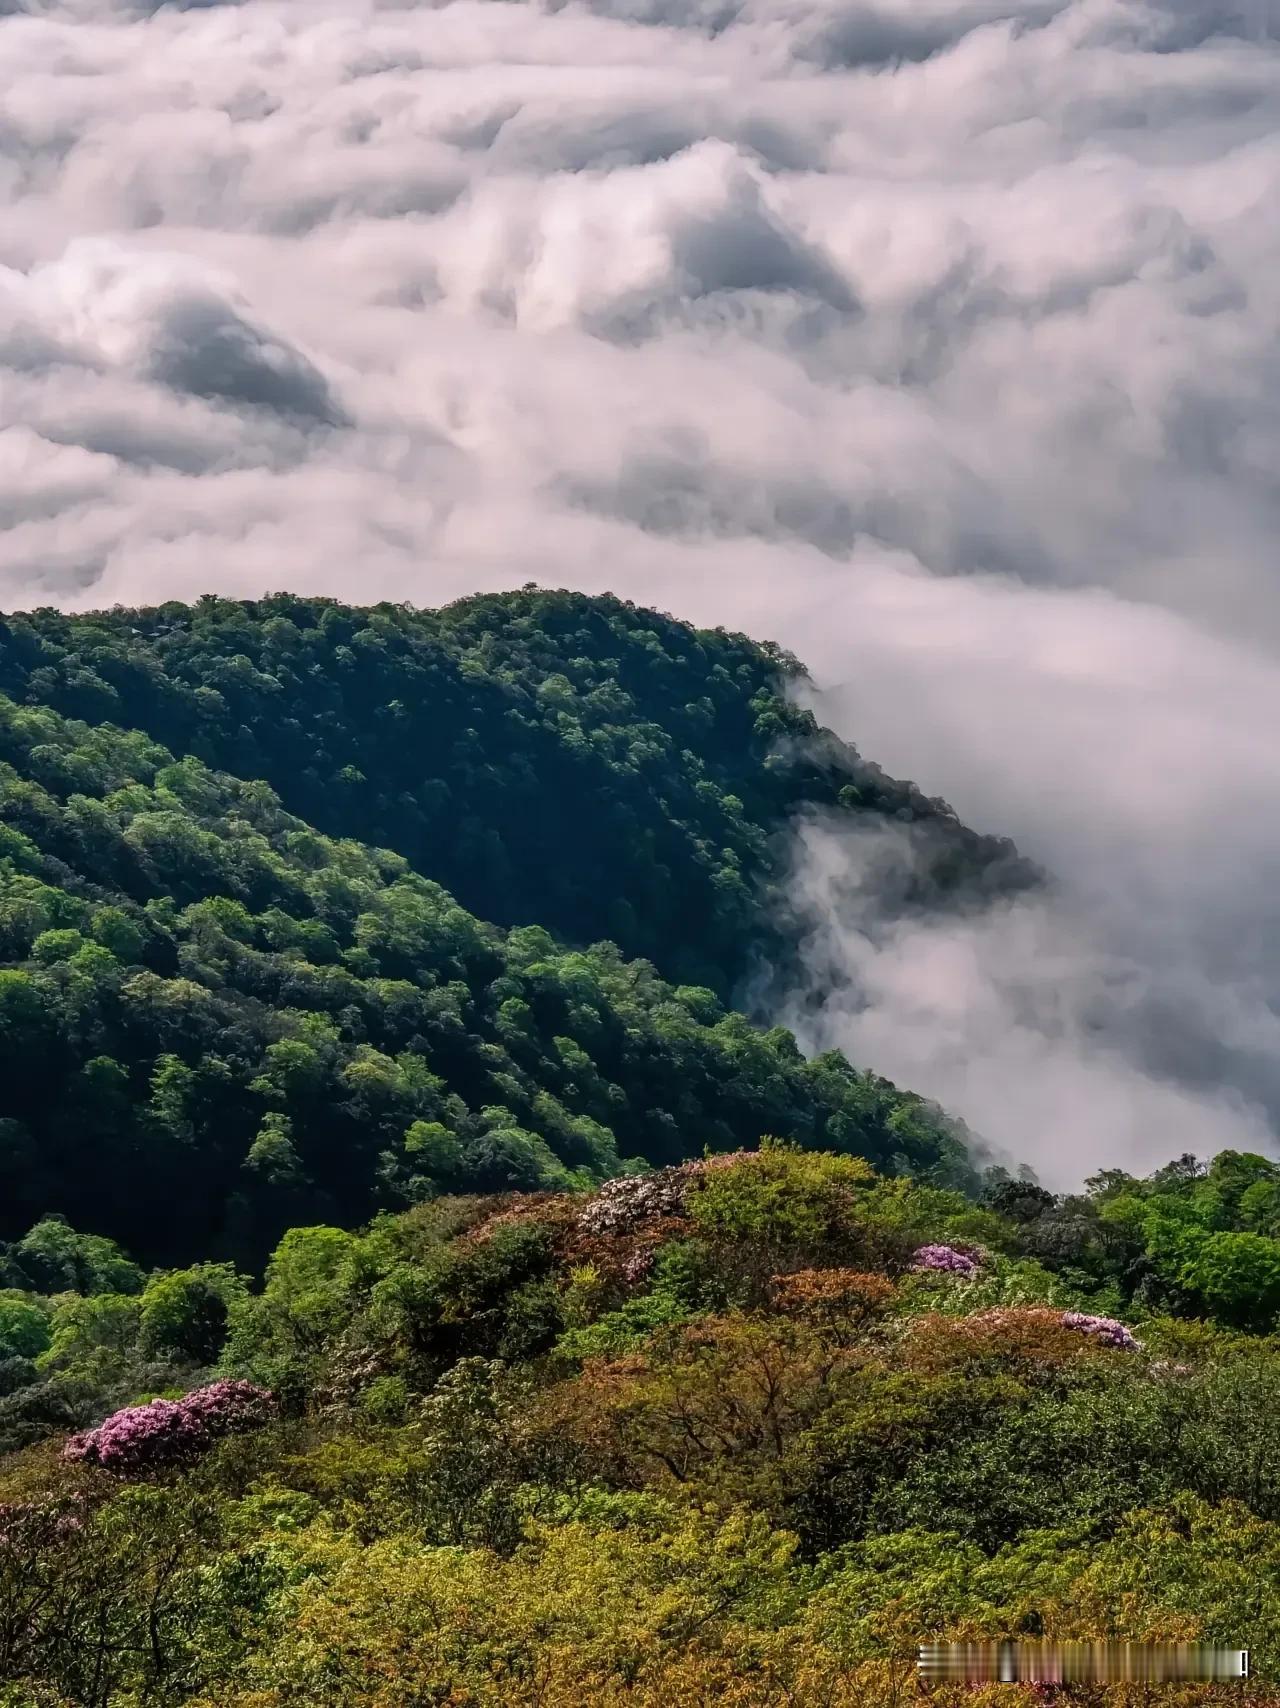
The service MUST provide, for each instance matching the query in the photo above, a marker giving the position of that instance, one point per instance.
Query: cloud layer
(935, 338)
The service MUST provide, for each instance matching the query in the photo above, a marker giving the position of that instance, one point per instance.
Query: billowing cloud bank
(936, 338)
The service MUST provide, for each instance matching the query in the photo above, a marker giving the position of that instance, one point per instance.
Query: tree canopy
(579, 763)
(219, 1017)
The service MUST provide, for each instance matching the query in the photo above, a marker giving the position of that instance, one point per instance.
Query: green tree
(1238, 1276)
(24, 1325)
(185, 1314)
(53, 1258)
(117, 931)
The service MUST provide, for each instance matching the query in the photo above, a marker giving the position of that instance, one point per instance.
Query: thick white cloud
(158, 318)
(935, 338)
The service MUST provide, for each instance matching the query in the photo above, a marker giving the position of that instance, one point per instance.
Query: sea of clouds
(934, 338)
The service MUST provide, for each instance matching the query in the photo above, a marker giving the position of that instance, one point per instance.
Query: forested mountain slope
(304, 944)
(552, 759)
(217, 1019)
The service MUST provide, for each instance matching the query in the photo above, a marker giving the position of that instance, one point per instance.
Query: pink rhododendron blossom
(638, 1266)
(165, 1432)
(633, 1199)
(1105, 1329)
(946, 1259)
(1167, 1367)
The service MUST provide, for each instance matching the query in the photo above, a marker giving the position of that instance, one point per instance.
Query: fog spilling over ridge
(936, 339)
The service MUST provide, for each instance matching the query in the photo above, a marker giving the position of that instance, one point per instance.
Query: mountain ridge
(218, 1019)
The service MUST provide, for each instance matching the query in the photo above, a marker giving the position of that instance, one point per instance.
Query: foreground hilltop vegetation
(740, 1431)
(302, 910)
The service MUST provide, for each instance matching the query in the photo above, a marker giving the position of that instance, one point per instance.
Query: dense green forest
(219, 1018)
(581, 764)
(743, 1430)
(403, 1300)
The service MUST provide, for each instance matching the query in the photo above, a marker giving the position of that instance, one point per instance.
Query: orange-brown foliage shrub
(1016, 1339)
